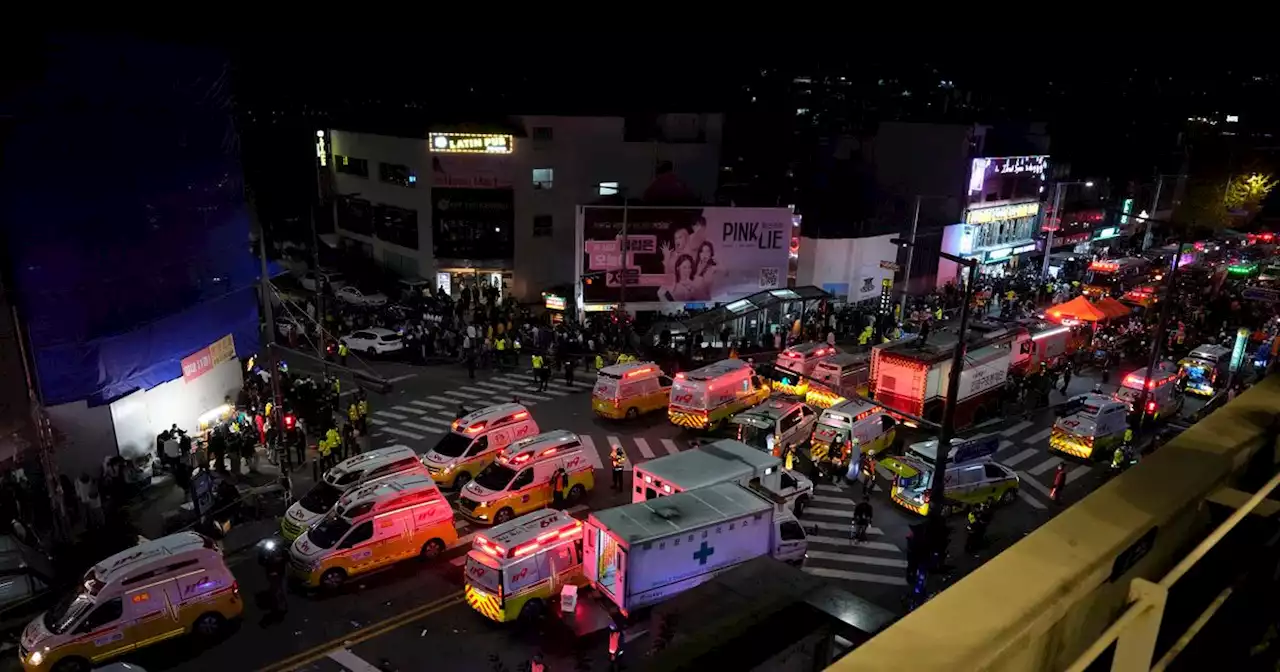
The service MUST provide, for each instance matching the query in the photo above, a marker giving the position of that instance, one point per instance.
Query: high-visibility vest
(599, 362)
(618, 459)
(1128, 435)
(268, 409)
(325, 447)
(537, 361)
(364, 408)
(502, 344)
(353, 413)
(332, 436)
(343, 350)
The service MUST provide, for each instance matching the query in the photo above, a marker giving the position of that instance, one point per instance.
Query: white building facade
(461, 207)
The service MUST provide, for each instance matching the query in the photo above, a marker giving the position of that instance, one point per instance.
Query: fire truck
(912, 377)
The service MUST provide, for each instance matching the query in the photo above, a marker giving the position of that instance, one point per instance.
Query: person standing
(1059, 481)
(343, 351)
(471, 363)
(536, 361)
(1066, 377)
(559, 481)
(617, 460)
(569, 364)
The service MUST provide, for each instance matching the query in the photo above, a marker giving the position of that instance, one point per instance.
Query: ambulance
(972, 477)
(379, 524)
(519, 480)
(795, 366)
(718, 462)
(1205, 368)
(516, 568)
(864, 427)
(629, 390)
(1092, 429)
(155, 591)
(475, 440)
(705, 397)
(343, 478)
(774, 426)
(1163, 396)
(839, 377)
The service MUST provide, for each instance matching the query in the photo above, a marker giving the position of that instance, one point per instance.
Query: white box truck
(723, 461)
(640, 554)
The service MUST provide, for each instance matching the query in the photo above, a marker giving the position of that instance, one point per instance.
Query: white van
(795, 366)
(1164, 398)
(519, 480)
(516, 569)
(721, 461)
(839, 377)
(343, 478)
(704, 397)
(152, 592)
(475, 440)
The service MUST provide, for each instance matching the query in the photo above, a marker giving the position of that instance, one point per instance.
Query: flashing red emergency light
(638, 372)
(1151, 407)
(475, 428)
(520, 416)
(521, 458)
(549, 451)
(1107, 266)
(680, 376)
(290, 420)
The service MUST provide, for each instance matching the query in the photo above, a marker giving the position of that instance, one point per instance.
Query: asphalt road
(411, 617)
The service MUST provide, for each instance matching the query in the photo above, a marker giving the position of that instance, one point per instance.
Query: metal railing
(1135, 632)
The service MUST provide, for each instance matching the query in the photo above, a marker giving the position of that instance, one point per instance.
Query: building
(462, 205)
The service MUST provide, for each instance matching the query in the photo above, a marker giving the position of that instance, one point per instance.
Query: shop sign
(1000, 213)
(445, 281)
(471, 143)
(1029, 247)
(204, 360)
(554, 302)
(1237, 352)
(322, 149)
(890, 266)
(1109, 232)
(599, 307)
(1000, 254)
(1126, 209)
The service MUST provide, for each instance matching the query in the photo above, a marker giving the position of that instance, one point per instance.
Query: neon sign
(471, 143)
(1002, 213)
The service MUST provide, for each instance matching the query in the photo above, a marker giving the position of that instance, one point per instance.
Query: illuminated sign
(1125, 209)
(1109, 232)
(322, 150)
(444, 281)
(1002, 253)
(554, 302)
(1237, 352)
(1002, 213)
(1029, 247)
(984, 168)
(599, 307)
(471, 143)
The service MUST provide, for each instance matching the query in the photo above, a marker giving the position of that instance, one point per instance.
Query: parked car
(334, 279)
(373, 341)
(352, 294)
(411, 288)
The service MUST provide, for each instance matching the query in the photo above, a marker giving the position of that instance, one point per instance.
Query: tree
(1246, 192)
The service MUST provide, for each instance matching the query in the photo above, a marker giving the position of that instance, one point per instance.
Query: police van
(972, 477)
(520, 479)
(381, 523)
(152, 592)
(630, 389)
(343, 478)
(774, 426)
(515, 569)
(796, 364)
(863, 427)
(705, 397)
(837, 378)
(475, 440)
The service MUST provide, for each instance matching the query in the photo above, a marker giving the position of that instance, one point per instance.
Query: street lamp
(1057, 203)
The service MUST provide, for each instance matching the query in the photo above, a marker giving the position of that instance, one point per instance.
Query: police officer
(364, 414)
(617, 459)
(343, 351)
(537, 371)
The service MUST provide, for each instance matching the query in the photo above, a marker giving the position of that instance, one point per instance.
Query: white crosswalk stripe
(593, 456)
(855, 576)
(407, 409)
(1014, 429)
(829, 512)
(472, 388)
(1005, 444)
(1048, 464)
(827, 487)
(845, 541)
(445, 424)
(1038, 436)
(854, 557)
(1025, 455)
(467, 395)
(423, 428)
(525, 394)
(401, 432)
(613, 441)
(493, 386)
(832, 500)
(644, 448)
(1078, 471)
(1035, 503)
(389, 414)
(670, 446)
(425, 404)
(841, 527)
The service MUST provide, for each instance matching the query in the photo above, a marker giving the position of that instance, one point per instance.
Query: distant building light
(1233, 118)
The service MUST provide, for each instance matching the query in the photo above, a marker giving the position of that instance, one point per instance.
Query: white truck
(640, 554)
(723, 461)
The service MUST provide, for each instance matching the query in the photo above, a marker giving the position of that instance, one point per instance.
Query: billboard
(1007, 178)
(683, 255)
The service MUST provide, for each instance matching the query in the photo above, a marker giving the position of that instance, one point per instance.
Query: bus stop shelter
(747, 318)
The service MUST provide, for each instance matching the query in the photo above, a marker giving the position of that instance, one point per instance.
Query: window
(394, 173)
(355, 215)
(993, 472)
(542, 178)
(108, 612)
(791, 531)
(351, 165)
(543, 133)
(607, 188)
(790, 420)
(398, 226)
(787, 481)
(524, 478)
(360, 534)
(542, 226)
(479, 446)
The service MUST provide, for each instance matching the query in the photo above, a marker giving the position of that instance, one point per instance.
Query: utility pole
(622, 290)
(268, 312)
(906, 275)
(321, 285)
(1156, 346)
(1048, 239)
(938, 495)
(1155, 202)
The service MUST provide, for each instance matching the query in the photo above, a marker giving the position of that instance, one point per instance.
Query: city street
(413, 615)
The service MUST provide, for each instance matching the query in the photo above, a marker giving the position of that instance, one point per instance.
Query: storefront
(1000, 237)
(555, 306)
(452, 280)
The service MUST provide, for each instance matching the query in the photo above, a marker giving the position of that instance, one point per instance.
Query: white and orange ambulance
(515, 569)
(520, 479)
(475, 440)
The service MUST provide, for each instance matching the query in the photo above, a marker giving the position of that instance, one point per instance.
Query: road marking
(855, 576)
(644, 448)
(845, 541)
(593, 456)
(824, 525)
(554, 393)
(832, 500)
(613, 441)
(1077, 472)
(466, 395)
(351, 661)
(854, 557)
(426, 404)
(401, 432)
(1005, 444)
(465, 539)
(1035, 503)
(493, 386)
(461, 524)
(397, 379)
(1045, 466)
(828, 488)
(423, 428)
(1010, 431)
(435, 421)
(1024, 478)
(1039, 436)
(389, 414)
(828, 512)
(483, 390)
(407, 409)
(670, 446)
(1020, 457)
(523, 394)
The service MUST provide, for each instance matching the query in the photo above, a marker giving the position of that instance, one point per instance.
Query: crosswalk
(833, 555)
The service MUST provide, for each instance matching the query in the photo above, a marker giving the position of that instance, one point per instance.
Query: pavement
(411, 616)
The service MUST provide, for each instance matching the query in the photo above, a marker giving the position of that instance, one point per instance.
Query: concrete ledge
(1041, 602)
(1234, 499)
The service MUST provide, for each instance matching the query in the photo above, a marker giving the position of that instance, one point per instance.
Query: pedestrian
(1066, 377)
(343, 351)
(617, 459)
(536, 362)
(1059, 481)
(569, 363)
(471, 364)
(558, 483)
(272, 557)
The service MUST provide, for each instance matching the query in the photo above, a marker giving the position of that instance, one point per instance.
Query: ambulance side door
(357, 548)
(524, 492)
(392, 540)
(104, 630)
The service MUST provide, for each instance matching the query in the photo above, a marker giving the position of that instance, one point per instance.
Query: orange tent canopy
(1078, 308)
(1111, 308)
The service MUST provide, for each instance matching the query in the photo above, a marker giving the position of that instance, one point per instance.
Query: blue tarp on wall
(125, 222)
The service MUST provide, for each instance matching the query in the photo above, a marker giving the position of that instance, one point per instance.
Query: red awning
(1078, 308)
(1111, 308)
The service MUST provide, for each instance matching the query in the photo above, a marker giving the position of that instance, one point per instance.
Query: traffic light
(290, 421)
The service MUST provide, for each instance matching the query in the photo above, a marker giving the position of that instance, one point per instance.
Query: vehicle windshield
(1128, 393)
(67, 611)
(320, 498)
(914, 482)
(390, 338)
(754, 436)
(329, 531)
(495, 476)
(452, 445)
(606, 388)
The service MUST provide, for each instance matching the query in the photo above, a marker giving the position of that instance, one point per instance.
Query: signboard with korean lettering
(205, 359)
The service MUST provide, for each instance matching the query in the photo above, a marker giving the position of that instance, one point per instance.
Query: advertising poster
(684, 255)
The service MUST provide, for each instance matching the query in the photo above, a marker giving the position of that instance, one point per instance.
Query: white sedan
(354, 296)
(373, 341)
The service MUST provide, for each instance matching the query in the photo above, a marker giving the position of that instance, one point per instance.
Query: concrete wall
(847, 266)
(85, 435)
(1040, 603)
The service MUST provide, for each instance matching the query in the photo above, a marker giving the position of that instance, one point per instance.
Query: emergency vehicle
(520, 479)
(839, 377)
(343, 478)
(474, 441)
(1205, 368)
(630, 389)
(721, 462)
(705, 397)
(972, 476)
(1114, 277)
(864, 427)
(516, 568)
(1094, 427)
(795, 365)
(774, 426)
(1163, 396)
(152, 592)
(379, 524)
(1049, 344)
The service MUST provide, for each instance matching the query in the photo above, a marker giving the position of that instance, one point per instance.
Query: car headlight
(449, 467)
(35, 658)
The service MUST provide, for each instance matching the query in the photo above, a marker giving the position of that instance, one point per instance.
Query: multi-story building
(462, 205)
